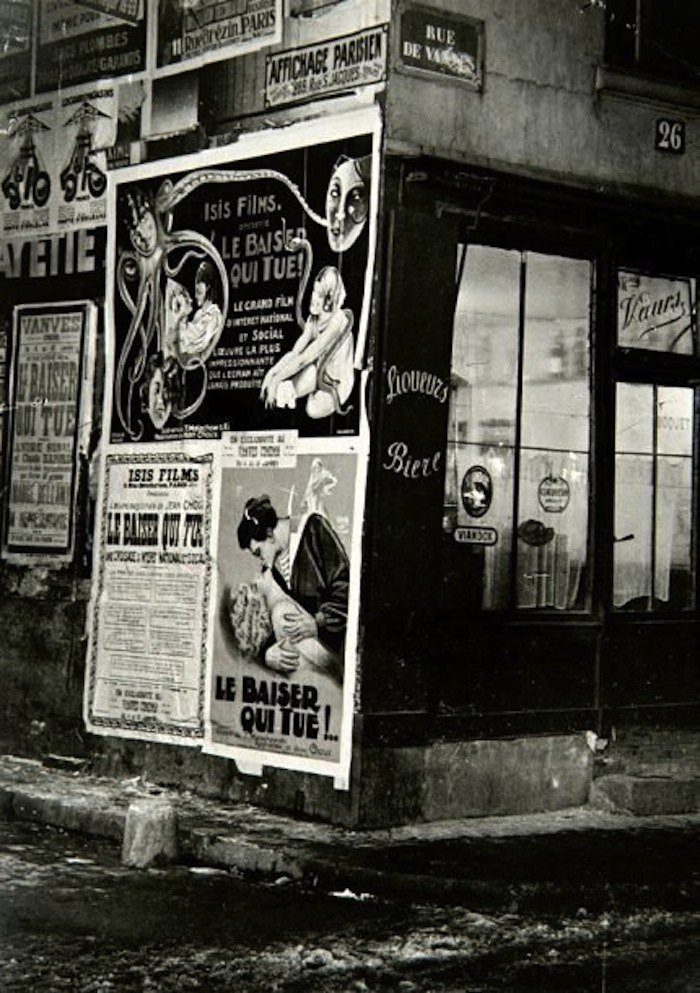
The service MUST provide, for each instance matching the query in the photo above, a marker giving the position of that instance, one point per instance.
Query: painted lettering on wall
(404, 463)
(413, 383)
(401, 382)
(654, 312)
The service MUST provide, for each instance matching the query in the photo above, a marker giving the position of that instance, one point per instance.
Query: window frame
(659, 369)
(523, 245)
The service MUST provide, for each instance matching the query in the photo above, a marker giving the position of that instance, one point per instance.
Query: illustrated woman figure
(319, 366)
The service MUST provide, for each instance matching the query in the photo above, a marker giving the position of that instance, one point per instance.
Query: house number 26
(670, 135)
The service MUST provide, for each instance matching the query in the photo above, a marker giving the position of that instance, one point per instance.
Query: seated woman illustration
(319, 366)
(191, 337)
(294, 623)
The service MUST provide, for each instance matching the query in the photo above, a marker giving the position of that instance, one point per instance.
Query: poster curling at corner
(283, 632)
(147, 626)
(50, 412)
(242, 285)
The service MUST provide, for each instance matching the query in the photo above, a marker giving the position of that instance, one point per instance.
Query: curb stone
(431, 861)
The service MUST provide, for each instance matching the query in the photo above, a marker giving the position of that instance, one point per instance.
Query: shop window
(516, 488)
(654, 37)
(653, 561)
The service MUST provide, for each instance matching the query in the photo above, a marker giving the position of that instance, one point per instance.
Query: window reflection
(519, 423)
(653, 498)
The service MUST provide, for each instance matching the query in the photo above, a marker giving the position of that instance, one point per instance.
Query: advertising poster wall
(194, 32)
(278, 246)
(146, 658)
(15, 49)
(49, 416)
(80, 43)
(283, 661)
(59, 150)
(236, 323)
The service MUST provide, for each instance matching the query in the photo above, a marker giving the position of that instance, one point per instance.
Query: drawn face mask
(346, 206)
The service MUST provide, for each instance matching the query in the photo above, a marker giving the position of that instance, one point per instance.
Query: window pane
(658, 37)
(633, 495)
(655, 313)
(673, 581)
(481, 438)
(553, 491)
(653, 567)
(669, 41)
(548, 534)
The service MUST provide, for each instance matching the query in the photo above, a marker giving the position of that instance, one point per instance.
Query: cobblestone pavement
(73, 918)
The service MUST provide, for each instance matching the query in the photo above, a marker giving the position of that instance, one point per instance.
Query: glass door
(653, 629)
(653, 554)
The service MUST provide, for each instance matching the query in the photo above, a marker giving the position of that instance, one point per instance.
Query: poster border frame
(111, 726)
(44, 555)
(299, 134)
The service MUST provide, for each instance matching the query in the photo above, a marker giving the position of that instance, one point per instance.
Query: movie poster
(241, 288)
(146, 655)
(283, 658)
(48, 423)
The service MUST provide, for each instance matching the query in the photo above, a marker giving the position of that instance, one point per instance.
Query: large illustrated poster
(145, 674)
(283, 659)
(49, 418)
(241, 288)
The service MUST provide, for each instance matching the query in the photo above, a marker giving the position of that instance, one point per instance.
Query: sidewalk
(443, 860)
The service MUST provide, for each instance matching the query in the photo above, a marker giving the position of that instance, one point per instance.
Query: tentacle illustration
(169, 194)
(294, 245)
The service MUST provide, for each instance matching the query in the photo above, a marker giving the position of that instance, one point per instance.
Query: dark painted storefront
(529, 559)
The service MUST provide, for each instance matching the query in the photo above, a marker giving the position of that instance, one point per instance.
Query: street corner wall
(477, 82)
(41, 669)
(153, 326)
(50, 342)
(225, 600)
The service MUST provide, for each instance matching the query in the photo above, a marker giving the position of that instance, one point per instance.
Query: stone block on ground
(150, 834)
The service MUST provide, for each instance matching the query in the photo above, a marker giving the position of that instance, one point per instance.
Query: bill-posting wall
(184, 343)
